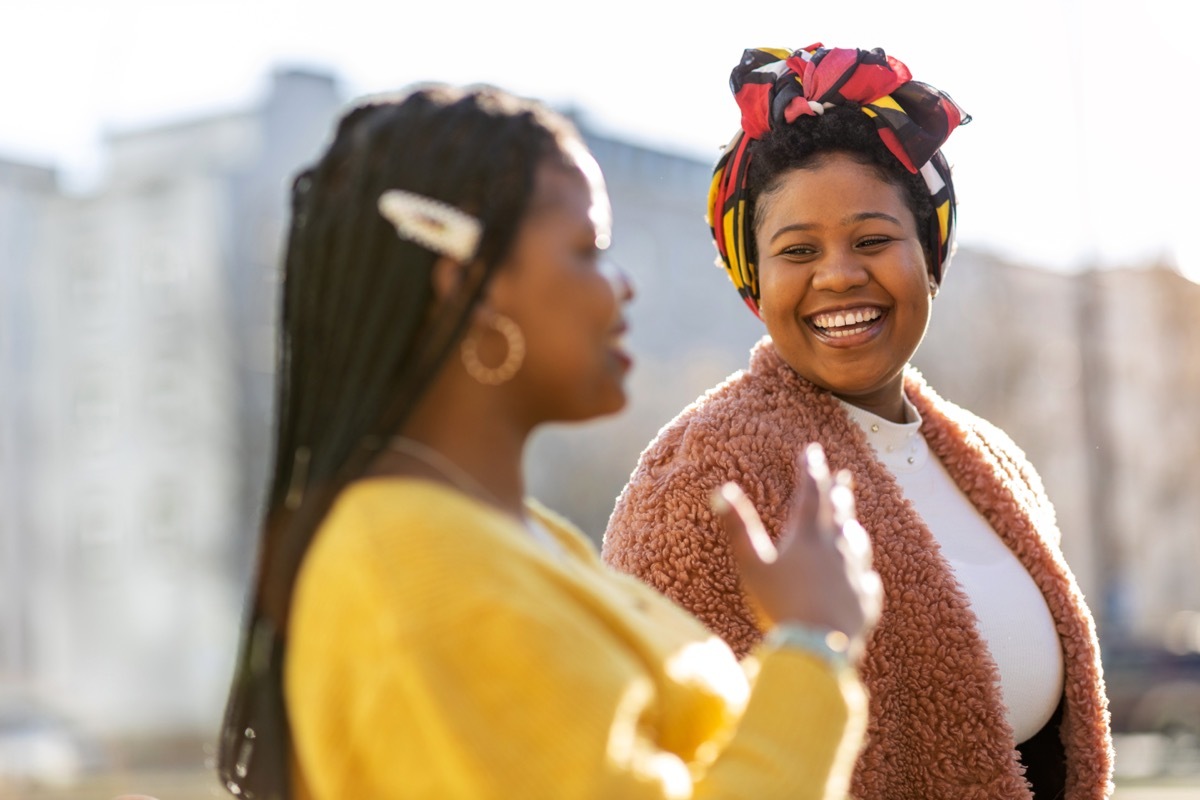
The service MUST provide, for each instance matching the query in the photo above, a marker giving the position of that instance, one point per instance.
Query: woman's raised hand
(819, 572)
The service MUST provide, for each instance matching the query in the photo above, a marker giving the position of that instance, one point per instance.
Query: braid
(361, 337)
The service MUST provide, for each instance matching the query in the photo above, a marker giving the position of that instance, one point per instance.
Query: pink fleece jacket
(937, 724)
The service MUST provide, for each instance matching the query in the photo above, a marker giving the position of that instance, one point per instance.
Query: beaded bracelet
(829, 645)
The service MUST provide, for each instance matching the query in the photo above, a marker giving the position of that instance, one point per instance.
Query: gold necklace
(467, 483)
(452, 472)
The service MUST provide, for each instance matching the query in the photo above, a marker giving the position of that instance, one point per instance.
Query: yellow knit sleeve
(452, 673)
(802, 729)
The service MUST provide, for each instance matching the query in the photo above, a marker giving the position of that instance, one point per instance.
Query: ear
(446, 278)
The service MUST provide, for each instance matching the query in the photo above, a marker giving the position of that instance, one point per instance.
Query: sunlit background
(145, 151)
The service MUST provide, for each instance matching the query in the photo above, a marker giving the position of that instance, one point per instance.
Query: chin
(618, 404)
(602, 404)
(611, 405)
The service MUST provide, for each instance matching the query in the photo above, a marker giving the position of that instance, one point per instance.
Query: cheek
(779, 290)
(917, 291)
(768, 286)
(921, 313)
(918, 305)
(575, 316)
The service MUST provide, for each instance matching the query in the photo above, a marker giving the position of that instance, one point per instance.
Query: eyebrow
(850, 220)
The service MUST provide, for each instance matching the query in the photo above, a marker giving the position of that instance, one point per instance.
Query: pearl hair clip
(432, 224)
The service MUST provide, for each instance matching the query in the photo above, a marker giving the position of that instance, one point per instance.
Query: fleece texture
(937, 726)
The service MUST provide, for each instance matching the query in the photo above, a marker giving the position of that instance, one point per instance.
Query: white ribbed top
(1011, 612)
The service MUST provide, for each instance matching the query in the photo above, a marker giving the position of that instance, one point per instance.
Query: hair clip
(432, 224)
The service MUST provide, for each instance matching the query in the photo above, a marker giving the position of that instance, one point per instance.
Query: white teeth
(848, 332)
(844, 318)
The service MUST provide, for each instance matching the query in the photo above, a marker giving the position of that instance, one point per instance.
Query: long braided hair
(361, 336)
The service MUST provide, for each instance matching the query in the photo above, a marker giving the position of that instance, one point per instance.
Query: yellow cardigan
(437, 650)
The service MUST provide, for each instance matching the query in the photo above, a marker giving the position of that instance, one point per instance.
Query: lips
(617, 346)
(846, 323)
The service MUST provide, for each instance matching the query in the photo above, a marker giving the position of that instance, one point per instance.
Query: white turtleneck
(1011, 613)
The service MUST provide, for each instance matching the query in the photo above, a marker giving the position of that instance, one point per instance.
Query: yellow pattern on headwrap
(748, 279)
(779, 52)
(943, 215)
(713, 188)
(735, 266)
(887, 101)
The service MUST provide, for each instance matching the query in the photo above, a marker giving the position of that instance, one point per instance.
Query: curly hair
(841, 129)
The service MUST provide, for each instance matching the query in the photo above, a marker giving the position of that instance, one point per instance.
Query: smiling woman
(833, 210)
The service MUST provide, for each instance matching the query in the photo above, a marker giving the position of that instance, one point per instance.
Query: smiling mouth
(849, 322)
(618, 347)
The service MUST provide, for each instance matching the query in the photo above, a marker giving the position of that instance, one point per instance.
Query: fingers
(802, 521)
(842, 497)
(743, 526)
(812, 513)
(818, 467)
(871, 591)
(857, 543)
(814, 459)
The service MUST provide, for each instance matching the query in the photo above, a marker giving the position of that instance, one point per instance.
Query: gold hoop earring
(494, 376)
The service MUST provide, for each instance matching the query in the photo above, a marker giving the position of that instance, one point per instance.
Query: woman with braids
(833, 211)
(420, 628)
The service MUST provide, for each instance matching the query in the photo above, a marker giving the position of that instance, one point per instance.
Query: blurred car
(1154, 690)
(38, 745)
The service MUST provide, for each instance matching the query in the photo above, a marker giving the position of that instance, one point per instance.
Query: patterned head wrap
(773, 87)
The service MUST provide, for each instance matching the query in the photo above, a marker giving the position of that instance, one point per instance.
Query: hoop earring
(494, 376)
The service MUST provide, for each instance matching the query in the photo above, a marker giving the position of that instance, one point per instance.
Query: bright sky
(1081, 150)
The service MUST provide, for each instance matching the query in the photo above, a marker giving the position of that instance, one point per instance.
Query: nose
(840, 273)
(620, 281)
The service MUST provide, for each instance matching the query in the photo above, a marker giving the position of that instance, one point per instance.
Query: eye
(873, 241)
(799, 250)
(589, 255)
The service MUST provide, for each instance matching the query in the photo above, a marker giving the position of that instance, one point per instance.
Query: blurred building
(1096, 377)
(27, 198)
(136, 368)
(136, 361)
